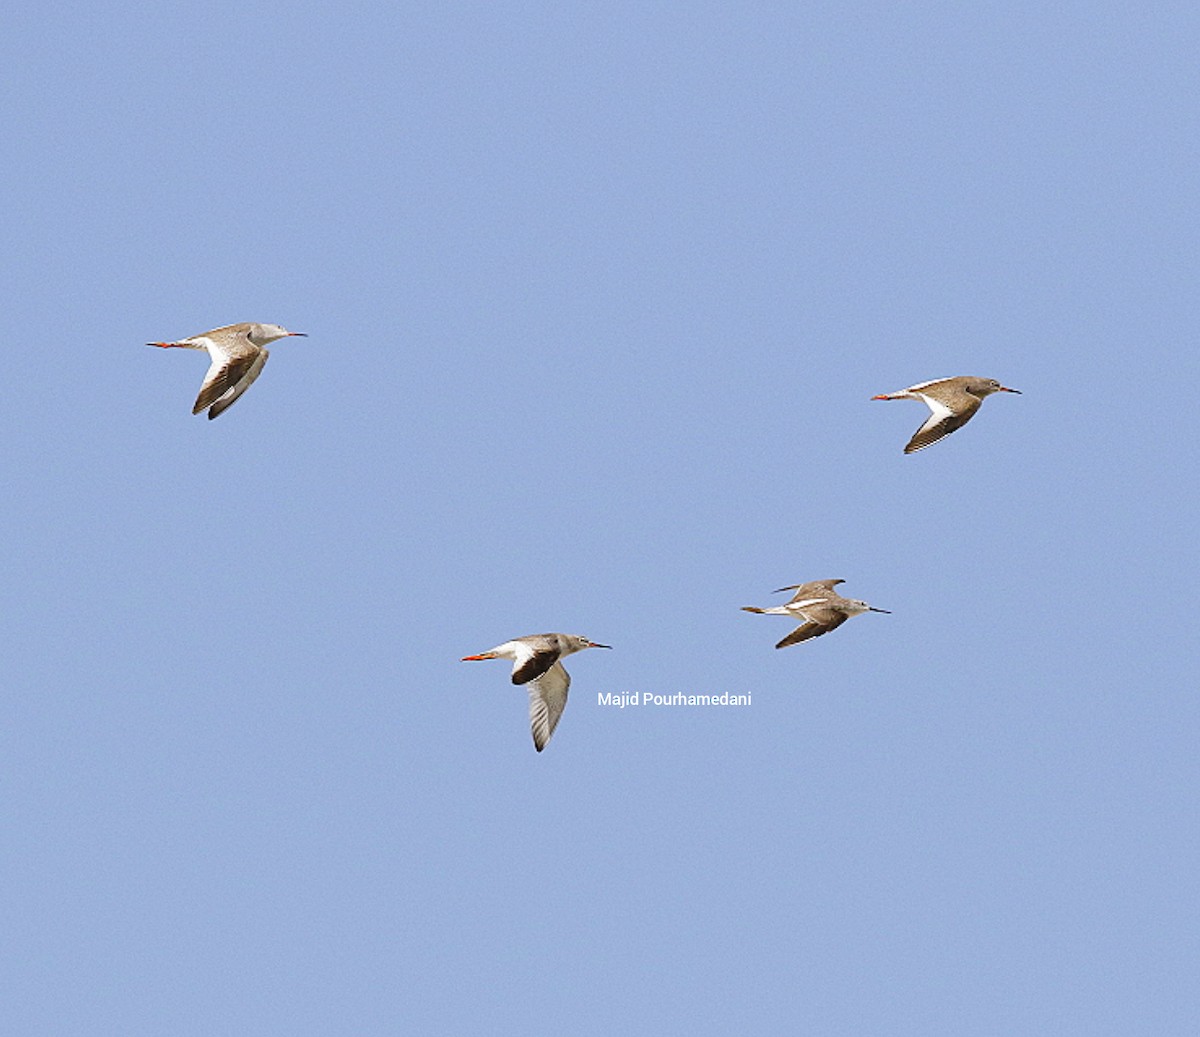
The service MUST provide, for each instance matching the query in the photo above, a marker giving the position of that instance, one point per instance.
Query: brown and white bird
(819, 605)
(238, 354)
(953, 402)
(537, 664)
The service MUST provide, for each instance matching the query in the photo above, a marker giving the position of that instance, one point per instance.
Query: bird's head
(578, 644)
(987, 386)
(261, 334)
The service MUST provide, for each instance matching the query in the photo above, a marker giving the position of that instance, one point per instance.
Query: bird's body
(952, 403)
(238, 353)
(537, 664)
(820, 607)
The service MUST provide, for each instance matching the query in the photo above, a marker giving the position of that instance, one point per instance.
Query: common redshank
(819, 605)
(537, 664)
(238, 356)
(953, 402)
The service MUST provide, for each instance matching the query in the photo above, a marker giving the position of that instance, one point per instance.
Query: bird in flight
(537, 663)
(238, 354)
(821, 608)
(952, 402)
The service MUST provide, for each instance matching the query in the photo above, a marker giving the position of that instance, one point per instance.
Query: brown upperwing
(931, 431)
(535, 666)
(821, 622)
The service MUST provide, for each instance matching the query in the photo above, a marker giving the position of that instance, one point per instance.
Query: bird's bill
(872, 608)
(1005, 388)
(161, 345)
(780, 590)
(477, 658)
(297, 334)
(881, 396)
(592, 644)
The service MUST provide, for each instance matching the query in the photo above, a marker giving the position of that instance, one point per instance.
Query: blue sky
(596, 302)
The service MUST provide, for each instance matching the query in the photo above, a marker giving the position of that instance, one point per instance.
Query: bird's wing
(812, 589)
(228, 399)
(927, 385)
(941, 422)
(233, 370)
(533, 659)
(820, 621)
(801, 605)
(547, 700)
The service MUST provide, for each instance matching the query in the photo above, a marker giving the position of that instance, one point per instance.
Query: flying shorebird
(819, 605)
(238, 356)
(953, 402)
(537, 663)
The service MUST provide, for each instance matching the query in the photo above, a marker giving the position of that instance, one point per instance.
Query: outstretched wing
(940, 423)
(533, 660)
(547, 700)
(820, 619)
(228, 377)
(812, 589)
